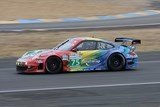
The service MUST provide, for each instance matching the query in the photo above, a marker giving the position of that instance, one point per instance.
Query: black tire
(53, 65)
(20, 72)
(116, 62)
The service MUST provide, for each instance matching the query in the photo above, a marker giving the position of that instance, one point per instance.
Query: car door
(104, 49)
(94, 54)
(89, 54)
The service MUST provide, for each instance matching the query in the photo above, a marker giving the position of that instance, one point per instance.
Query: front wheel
(53, 65)
(116, 62)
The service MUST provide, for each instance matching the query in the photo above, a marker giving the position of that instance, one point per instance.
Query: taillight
(132, 53)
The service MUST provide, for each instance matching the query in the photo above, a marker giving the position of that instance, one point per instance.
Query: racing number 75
(75, 62)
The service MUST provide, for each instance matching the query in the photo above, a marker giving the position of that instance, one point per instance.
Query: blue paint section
(139, 14)
(132, 63)
(150, 12)
(128, 15)
(131, 15)
(106, 17)
(72, 19)
(29, 21)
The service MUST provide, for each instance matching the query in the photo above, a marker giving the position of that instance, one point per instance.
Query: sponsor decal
(65, 57)
(31, 53)
(75, 60)
(93, 61)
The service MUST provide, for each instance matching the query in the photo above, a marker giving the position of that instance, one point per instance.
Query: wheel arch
(54, 56)
(117, 52)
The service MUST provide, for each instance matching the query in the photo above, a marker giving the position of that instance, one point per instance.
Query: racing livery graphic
(81, 54)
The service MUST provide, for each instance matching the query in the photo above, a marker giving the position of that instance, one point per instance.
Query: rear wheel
(116, 62)
(53, 65)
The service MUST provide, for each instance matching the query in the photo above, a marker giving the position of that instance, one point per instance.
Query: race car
(81, 54)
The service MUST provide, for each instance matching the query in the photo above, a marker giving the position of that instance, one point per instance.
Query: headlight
(39, 60)
(26, 63)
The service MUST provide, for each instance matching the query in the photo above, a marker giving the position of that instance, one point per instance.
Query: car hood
(31, 55)
(34, 54)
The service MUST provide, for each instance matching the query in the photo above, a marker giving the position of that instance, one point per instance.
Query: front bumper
(23, 67)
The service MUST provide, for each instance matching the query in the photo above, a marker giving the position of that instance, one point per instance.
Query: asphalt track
(139, 88)
(138, 22)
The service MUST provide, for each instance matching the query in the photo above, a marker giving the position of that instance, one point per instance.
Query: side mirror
(74, 50)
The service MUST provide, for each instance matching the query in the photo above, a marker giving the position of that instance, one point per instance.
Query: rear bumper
(131, 63)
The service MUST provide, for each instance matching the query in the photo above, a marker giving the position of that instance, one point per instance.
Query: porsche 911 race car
(81, 54)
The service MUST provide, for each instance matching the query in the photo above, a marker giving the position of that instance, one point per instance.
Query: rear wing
(132, 40)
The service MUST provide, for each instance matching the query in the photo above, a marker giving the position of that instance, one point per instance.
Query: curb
(83, 19)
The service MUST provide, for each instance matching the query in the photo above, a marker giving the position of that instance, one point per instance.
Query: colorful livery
(81, 54)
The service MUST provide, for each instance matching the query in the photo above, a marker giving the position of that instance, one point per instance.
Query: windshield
(66, 45)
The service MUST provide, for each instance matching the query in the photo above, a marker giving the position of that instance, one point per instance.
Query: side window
(103, 46)
(87, 45)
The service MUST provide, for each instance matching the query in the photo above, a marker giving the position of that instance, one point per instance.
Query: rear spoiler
(132, 40)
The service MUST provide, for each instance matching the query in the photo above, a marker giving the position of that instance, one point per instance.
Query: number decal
(75, 62)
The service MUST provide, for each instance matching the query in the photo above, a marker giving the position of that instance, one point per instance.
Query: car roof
(92, 38)
(79, 39)
(88, 38)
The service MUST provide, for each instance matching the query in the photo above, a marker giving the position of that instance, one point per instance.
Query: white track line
(81, 87)
(4, 69)
(142, 62)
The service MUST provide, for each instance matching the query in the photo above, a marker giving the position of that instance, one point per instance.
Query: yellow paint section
(89, 18)
(87, 53)
(142, 13)
(9, 22)
(51, 20)
(119, 16)
(92, 38)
